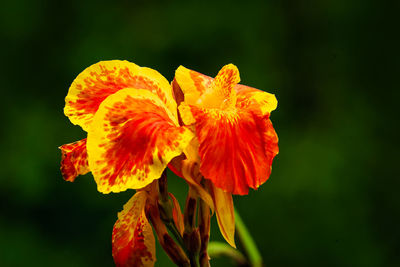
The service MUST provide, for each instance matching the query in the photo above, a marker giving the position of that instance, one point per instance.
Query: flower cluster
(213, 132)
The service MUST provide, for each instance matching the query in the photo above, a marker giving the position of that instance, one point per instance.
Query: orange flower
(222, 133)
(122, 107)
(235, 142)
(133, 133)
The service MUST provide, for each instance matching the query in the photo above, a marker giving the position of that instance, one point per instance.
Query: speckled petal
(104, 78)
(133, 242)
(74, 160)
(132, 139)
(236, 146)
(222, 86)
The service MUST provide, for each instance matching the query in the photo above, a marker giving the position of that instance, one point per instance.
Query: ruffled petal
(74, 160)
(236, 146)
(133, 243)
(225, 214)
(102, 79)
(132, 139)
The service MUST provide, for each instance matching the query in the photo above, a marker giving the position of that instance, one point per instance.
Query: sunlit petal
(74, 160)
(104, 78)
(132, 139)
(133, 243)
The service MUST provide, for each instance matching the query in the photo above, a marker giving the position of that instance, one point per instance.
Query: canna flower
(131, 119)
(235, 141)
(222, 132)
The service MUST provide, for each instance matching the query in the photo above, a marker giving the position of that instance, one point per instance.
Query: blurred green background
(334, 66)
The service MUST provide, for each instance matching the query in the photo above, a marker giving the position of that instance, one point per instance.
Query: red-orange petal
(104, 78)
(237, 146)
(132, 138)
(133, 242)
(74, 160)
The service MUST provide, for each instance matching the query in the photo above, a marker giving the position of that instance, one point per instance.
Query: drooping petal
(236, 146)
(177, 214)
(252, 98)
(133, 243)
(74, 160)
(132, 138)
(104, 78)
(225, 214)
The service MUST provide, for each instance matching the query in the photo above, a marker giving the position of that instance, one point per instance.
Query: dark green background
(334, 67)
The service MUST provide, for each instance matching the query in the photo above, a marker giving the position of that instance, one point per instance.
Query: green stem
(217, 249)
(248, 242)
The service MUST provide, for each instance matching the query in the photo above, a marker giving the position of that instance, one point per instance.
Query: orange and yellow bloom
(138, 124)
(236, 140)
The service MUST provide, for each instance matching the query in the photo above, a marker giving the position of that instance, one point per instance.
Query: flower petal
(223, 84)
(241, 142)
(133, 243)
(74, 160)
(225, 214)
(201, 90)
(248, 97)
(104, 78)
(192, 83)
(132, 139)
